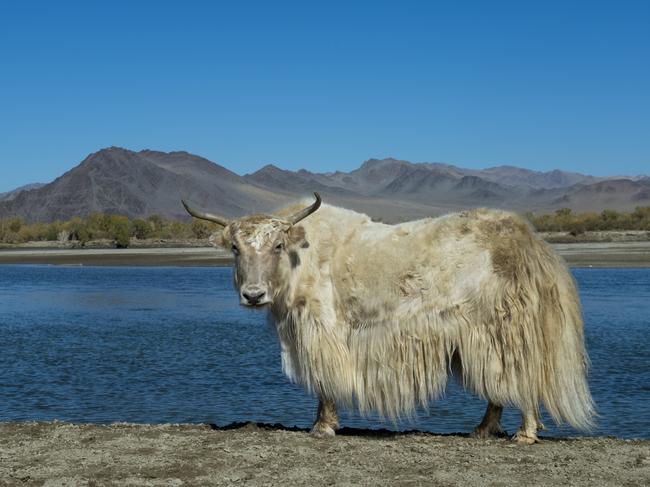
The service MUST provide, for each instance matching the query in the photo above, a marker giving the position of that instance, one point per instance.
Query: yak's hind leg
(327, 421)
(527, 432)
(491, 424)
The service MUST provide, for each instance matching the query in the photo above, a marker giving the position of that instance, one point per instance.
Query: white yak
(375, 316)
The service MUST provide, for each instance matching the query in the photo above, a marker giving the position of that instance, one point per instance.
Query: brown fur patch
(509, 242)
(412, 284)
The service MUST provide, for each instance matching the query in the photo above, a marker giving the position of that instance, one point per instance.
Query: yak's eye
(235, 249)
(279, 246)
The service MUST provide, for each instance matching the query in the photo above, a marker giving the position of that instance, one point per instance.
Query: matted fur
(375, 316)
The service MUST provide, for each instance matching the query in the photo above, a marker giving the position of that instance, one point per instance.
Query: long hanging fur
(376, 315)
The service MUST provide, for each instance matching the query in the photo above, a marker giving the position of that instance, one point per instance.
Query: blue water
(153, 345)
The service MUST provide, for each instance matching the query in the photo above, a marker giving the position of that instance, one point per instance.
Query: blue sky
(326, 85)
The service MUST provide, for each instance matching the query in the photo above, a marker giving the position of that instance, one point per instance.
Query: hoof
(522, 439)
(322, 431)
(485, 433)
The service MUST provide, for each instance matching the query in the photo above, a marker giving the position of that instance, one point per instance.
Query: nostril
(254, 297)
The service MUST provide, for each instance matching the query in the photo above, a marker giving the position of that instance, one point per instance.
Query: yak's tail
(566, 393)
(531, 351)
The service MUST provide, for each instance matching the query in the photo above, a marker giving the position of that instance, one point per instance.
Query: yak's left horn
(211, 217)
(296, 217)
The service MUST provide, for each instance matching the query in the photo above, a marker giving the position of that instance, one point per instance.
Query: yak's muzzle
(254, 296)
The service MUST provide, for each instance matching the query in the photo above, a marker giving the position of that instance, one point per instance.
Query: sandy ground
(600, 236)
(201, 256)
(601, 254)
(124, 454)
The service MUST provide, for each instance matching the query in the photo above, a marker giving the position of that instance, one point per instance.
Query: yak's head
(262, 245)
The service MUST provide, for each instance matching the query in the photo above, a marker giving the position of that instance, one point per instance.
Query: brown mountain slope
(139, 184)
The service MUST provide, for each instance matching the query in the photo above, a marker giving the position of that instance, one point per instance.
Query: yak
(378, 316)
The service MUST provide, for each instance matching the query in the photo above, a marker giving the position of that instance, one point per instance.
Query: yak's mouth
(258, 305)
(254, 306)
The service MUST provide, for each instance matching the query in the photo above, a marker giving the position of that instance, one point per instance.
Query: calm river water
(154, 345)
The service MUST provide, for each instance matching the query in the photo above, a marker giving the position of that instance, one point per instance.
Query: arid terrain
(127, 454)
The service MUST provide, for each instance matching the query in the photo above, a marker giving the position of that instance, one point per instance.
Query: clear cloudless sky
(326, 85)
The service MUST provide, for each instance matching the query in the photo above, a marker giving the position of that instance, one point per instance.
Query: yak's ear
(220, 238)
(298, 236)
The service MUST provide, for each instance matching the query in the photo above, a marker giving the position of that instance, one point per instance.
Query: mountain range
(139, 184)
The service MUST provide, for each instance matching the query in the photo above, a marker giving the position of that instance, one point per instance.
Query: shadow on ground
(346, 431)
(360, 432)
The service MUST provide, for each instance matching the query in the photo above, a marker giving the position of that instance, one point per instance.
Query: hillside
(437, 187)
(138, 184)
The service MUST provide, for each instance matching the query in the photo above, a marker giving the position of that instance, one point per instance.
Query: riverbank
(185, 256)
(593, 254)
(127, 454)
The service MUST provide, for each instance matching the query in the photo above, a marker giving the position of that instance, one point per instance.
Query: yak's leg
(327, 421)
(491, 423)
(527, 433)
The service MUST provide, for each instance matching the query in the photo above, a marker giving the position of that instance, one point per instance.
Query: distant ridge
(9, 195)
(139, 184)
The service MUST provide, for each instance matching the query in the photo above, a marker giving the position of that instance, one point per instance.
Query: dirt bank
(604, 254)
(612, 254)
(201, 256)
(123, 454)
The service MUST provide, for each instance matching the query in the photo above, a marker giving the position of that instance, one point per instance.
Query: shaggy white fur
(375, 316)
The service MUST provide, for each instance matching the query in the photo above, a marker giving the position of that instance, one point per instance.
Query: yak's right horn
(211, 217)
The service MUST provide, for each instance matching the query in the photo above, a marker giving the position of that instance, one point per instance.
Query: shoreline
(257, 454)
(594, 254)
(164, 256)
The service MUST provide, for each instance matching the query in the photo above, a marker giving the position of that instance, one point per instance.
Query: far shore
(593, 254)
(176, 256)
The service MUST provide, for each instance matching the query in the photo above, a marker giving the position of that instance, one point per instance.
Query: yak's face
(263, 248)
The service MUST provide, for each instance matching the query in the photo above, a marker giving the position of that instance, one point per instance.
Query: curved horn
(296, 217)
(206, 216)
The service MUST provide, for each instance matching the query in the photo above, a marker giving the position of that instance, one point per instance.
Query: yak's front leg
(327, 421)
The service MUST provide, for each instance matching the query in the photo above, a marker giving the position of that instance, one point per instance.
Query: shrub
(564, 220)
(15, 224)
(141, 229)
(156, 223)
(117, 228)
(202, 229)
